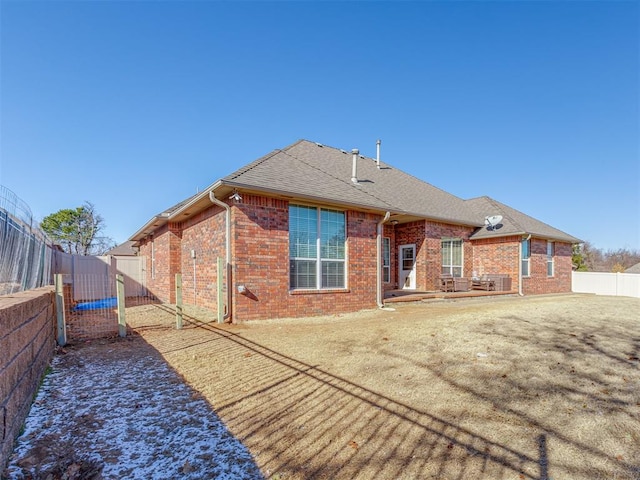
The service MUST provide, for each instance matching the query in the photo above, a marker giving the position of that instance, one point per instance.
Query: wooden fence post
(122, 321)
(178, 301)
(60, 313)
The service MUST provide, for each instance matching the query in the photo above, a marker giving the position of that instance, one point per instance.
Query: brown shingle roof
(513, 222)
(307, 169)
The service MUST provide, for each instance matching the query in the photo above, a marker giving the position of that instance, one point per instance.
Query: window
(550, 253)
(452, 257)
(526, 257)
(386, 259)
(153, 260)
(316, 247)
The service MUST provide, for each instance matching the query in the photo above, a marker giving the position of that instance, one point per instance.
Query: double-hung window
(153, 260)
(526, 258)
(452, 257)
(550, 253)
(316, 248)
(386, 259)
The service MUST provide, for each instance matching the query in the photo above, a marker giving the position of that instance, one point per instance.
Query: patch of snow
(135, 417)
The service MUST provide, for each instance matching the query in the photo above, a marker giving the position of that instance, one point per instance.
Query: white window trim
(451, 266)
(318, 258)
(551, 258)
(153, 260)
(527, 260)
(386, 269)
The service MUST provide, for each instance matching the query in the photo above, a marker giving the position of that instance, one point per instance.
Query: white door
(407, 267)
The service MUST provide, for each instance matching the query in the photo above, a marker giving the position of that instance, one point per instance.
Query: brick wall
(260, 257)
(538, 282)
(427, 236)
(497, 255)
(413, 233)
(205, 235)
(435, 232)
(165, 248)
(261, 263)
(27, 342)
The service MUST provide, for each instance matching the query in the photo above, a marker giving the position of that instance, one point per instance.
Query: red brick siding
(427, 236)
(260, 257)
(435, 232)
(166, 248)
(497, 255)
(261, 263)
(205, 234)
(538, 282)
(413, 233)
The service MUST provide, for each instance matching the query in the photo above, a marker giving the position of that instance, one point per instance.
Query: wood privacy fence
(602, 283)
(93, 278)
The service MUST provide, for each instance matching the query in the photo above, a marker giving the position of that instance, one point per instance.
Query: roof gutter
(149, 227)
(379, 294)
(195, 199)
(227, 314)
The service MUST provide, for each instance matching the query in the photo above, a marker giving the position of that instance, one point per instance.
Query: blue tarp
(97, 304)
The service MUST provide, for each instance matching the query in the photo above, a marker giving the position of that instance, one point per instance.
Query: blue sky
(135, 106)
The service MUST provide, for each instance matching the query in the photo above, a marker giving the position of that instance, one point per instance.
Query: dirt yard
(541, 388)
(505, 388)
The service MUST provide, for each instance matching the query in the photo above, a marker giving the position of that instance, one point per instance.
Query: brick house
(313, 230)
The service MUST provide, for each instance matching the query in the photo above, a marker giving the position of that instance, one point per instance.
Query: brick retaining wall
(27, 343)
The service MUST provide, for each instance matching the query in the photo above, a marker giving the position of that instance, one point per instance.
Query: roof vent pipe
(378, 153)
(354, 168)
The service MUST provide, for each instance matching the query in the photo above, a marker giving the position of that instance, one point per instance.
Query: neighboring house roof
(633, 269)
(123, 249)
(513, 222)
(310, 171)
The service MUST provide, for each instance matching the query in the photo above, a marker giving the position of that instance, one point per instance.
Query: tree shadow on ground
(301, 421)
(305, 422)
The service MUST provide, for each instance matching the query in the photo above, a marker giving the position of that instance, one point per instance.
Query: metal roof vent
(378, 153)
(354, 167)
(319, 144)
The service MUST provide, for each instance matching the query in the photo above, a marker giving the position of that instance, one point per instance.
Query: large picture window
(452, 257)
(316, 248)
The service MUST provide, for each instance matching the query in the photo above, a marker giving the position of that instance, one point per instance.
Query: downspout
(520, 266)
(227, 314)
(379, 295)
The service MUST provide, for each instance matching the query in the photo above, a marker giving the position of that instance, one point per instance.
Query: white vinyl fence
(601, 283)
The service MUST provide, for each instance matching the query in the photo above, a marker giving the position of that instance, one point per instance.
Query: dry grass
(511, 388)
